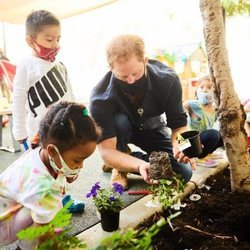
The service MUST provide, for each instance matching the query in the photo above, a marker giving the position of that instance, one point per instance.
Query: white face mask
(65, 170)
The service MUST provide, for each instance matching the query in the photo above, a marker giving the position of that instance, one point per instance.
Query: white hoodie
(37, 84)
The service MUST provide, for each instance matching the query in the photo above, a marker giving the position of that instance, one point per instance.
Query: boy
(40, 80)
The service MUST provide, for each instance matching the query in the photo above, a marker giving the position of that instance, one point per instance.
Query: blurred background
(172, 31)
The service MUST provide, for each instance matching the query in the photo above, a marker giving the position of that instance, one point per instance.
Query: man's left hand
(180, 157)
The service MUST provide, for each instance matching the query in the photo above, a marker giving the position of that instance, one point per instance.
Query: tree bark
(231, 114)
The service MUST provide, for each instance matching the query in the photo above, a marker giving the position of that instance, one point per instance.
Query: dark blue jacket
(163, 96)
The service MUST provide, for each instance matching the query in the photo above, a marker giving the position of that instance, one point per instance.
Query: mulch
(219, 220)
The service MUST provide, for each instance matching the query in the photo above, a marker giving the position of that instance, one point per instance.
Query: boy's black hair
(67, 125)
(36, 20)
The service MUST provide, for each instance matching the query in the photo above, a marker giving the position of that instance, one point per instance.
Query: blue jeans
(148, 140)
(211, 139)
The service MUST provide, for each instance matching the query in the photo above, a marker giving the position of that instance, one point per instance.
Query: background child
(34, 183)
(246, 105)
(202, 116)
(39, 80)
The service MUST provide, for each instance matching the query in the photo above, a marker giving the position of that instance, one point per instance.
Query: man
(129, 105)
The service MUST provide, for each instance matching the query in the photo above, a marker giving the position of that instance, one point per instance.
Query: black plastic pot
(194, 138)
(110, 221)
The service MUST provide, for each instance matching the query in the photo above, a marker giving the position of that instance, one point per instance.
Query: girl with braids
(31, 188)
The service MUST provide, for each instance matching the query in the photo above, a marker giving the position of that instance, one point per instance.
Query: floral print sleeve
(44, 210)
(45, 199)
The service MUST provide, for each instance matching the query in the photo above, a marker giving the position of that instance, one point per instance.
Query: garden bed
(219, 220)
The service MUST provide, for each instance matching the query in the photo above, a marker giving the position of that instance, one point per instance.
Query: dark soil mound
(219, 220)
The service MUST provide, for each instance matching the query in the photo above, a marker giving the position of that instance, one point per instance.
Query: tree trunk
(231, 114)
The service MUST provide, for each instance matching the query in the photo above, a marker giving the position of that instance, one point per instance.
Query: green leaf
(168, 191)
(236, 7)
(59, 241)
(131, 239)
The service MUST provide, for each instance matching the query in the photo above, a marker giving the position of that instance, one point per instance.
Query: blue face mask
(203, 97)
(65, 170)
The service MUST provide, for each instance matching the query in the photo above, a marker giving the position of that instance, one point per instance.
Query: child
(202, 116)
(34, 183)
(246, 105)
(39, 80)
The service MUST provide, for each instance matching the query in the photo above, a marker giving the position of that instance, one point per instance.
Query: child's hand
(23, 140)
(25, 144)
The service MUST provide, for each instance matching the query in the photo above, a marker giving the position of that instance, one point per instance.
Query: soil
(219, 220)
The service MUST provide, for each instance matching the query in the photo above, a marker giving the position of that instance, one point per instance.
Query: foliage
(234, 7)
(107, 199)
(132, 239)
(60, 240)
(168, 191)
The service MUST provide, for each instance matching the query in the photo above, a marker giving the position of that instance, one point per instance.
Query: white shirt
(37, 84)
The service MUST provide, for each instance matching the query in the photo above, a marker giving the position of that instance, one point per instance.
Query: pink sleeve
(245, 102)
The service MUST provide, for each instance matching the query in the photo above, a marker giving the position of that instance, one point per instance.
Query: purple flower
(118, 188)
(96, 186)
(93, 191)
(112, 198)
(108, 199)
(88, 195)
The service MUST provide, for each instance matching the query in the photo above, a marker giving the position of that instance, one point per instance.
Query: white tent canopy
(84, 37)
(16, 11)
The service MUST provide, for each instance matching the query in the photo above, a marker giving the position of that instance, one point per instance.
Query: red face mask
(46, 53)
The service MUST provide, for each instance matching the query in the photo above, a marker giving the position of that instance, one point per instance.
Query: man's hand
(143, 171)
(180, 157)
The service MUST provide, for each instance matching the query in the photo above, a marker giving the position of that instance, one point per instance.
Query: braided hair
(67, 125)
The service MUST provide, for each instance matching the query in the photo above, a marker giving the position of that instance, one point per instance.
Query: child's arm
(69, 87)
(19, 100)
(71, 91)
(44, 237)
(247, 106)
(187, 107)
(44, 208)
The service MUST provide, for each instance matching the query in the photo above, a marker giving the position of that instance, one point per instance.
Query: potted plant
(132, 238)
(108, 203)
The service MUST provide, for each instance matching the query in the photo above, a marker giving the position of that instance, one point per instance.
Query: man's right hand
(143, 170)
